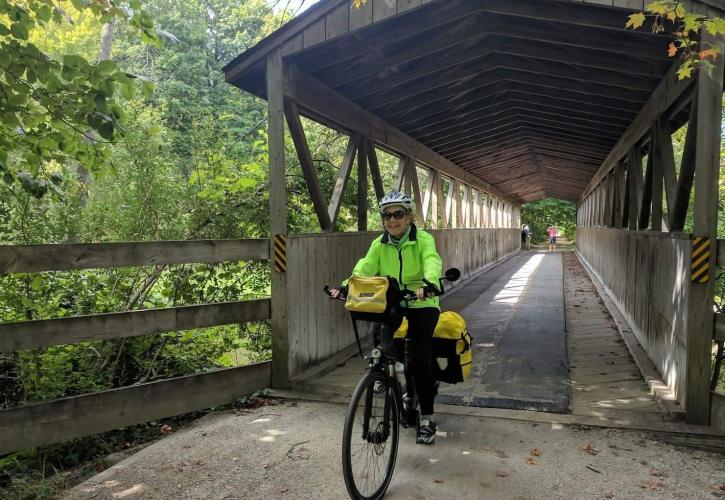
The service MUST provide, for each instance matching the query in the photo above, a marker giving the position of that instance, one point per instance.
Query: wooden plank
(47, 423)
(308, 167)
(361, 17)
(67, 256)
(312, 95)
(277, 215)
(404, 5)
(442, 201)
(294, 44)
(375, 171)
(314, 34)
(362, 186)
(336, 22)
(701, 296)
(383, 9)
(24, 335)
(338, 192)
(666, 93)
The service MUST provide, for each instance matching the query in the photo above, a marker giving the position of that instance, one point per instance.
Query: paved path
(292, 451)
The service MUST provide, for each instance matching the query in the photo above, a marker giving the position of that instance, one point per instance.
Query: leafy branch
(668, 16)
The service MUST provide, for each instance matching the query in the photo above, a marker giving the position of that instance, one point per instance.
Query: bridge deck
(543, 340)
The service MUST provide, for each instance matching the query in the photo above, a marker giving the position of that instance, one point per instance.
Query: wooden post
(700, 299)
(657, 178)
(362, 186)
(681, 198)
(442, 201)
(277, 217)
(435, 199)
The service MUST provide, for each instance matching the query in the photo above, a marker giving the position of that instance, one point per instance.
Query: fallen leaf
(535, 452)
(718, 486)
(531, 461)
(657, 472)
(591, 450)
(655, 484)
(671, 50)
(501, 473)
(609, 494)
(284, 489)
(438, 481)
(166, 429)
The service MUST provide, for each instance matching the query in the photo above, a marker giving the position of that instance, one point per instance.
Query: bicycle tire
(352, 432)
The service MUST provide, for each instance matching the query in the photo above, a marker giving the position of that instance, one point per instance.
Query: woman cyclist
(409, 255)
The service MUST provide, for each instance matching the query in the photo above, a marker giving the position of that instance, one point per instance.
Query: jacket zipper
(400, 259)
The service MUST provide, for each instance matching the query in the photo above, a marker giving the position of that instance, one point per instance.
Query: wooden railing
(49, 422)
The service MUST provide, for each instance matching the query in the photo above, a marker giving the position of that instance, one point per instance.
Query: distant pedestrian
(526, 237)
(553, 233)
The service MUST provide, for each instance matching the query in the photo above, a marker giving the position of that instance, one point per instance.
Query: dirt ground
(292, 450)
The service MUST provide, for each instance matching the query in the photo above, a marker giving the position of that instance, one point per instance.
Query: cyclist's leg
(421, 324)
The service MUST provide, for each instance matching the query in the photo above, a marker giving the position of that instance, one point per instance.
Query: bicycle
(383, 400)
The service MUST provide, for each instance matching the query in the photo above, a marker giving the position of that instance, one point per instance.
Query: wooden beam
(67, 256)
(338, 193)
(439, 201)
(427, 197)
(277, 215)
(49, 332)
(362, 186)
(657, 178)
(666, 160)
(400, 175)
(705, 214)
(645, 207)
(634, 174)
(34, 425)
(412, 175)
(678, 213)
(666, 93)
(308, 166)
(375, 171)
(312, 94)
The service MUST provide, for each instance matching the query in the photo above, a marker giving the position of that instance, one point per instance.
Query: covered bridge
(499, 102)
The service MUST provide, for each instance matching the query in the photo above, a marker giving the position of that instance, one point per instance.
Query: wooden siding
(318, 327)
(647, 276)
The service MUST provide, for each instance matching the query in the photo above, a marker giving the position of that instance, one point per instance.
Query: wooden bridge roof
(529, 95)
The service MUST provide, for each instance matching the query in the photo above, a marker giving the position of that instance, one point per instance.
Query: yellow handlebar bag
(367, 294)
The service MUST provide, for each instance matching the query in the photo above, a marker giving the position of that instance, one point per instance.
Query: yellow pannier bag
(451, 347)
(367, 294)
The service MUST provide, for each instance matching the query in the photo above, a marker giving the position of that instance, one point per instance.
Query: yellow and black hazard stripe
(700, 259)
(280, 253)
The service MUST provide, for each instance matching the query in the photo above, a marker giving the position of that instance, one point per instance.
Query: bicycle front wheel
(370, 437)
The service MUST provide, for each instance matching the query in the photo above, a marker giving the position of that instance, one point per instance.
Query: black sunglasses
(398, 214)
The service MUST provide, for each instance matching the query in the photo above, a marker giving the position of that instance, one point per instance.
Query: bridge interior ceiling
(530, 95)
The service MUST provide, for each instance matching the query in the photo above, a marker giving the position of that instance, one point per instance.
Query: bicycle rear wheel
(369, 446)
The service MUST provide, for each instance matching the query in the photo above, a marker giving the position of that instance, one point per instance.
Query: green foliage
(541, 214)
(55, 108)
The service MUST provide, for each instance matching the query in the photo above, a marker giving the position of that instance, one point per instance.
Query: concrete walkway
(292, 451)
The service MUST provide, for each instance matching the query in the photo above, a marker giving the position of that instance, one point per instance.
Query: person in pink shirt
(551, 230)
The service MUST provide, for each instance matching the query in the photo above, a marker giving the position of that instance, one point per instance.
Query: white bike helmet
(396, 198)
